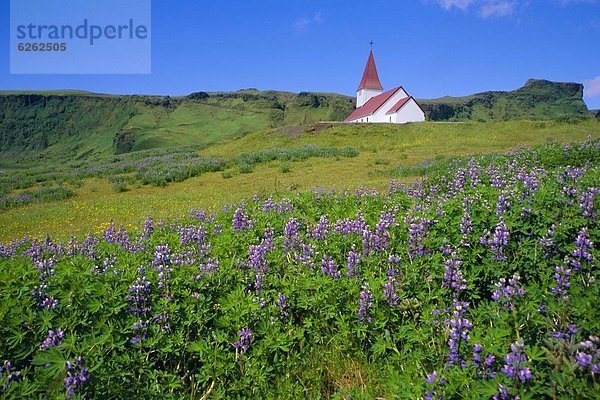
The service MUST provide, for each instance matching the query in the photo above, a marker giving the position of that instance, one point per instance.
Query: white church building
(394, 106)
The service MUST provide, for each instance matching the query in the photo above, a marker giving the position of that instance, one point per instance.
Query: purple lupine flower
(328, 267)
(306, 255)
(547, 242)
(586, 202)
(139, 296)
(466, 223)
(583, 359)
(243, 344)
(435, 381)
(366, 192)
(162, 320)
(139, 306)
(291, 236)
(268, 205)
(503, 204)
(162, 255)
(453, 278)
(46, 269)
(365, 303)
(582, 251)
(378, 240)
(73, 247)
(162, 264)
(284, 206)
(107, 265)
(562, 276)
(568, 178)
(202, 216)
(497, 241)
(283, 305)
(473, 172)
(192, 234)
(148, 228)
(483, 363)
(514, 361)
(77, 374)
(8, 375)
(257, 259)
(354, 260)
(207, 267)
(504, 394)
(346, 226)
(507, 292)
(241, 220)
(418, 230)
(54, 339)
(446, 248)
(88, 248)
(119, 236)
(184, 258)
(389, 288)
(321, 229)
(588, 356)
(565, 333)
(458, 332)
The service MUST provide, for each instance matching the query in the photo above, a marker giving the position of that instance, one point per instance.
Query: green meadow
(383, 152)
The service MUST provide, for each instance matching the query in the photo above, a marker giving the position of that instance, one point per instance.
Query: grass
(96, 201)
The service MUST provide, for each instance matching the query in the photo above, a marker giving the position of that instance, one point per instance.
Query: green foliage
(285, 168)
(39, 195)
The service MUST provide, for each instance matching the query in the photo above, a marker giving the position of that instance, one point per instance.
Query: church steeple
(370, 78)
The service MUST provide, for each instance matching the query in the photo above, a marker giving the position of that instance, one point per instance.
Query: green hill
(538, 99)
(67, 125)
(71, 125)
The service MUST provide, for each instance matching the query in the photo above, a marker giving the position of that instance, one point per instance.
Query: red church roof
(372, 105)
(398, 105)
(370, 79)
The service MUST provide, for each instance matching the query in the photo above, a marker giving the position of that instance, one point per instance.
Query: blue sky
(431, 47)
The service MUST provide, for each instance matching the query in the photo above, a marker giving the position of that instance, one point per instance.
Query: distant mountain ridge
(74, 124)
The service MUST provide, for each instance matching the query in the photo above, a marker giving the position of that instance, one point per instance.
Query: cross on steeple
(371, 43)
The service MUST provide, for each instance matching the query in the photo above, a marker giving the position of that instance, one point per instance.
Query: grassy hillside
(63, 125)
(402, 152)
(538, 99)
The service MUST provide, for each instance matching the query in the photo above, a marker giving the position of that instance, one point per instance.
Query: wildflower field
(40, 195)
(479, 282)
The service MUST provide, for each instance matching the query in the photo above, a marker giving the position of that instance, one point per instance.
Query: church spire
(370, 79)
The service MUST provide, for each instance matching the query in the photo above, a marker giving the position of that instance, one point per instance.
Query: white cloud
(302, 23)
(462, 4)
(591, 88)
(485, 8)
(496, 9)
(569, 2)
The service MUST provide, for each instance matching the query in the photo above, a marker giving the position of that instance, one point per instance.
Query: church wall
(379, 115)
(363, 95)
(411, 112)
